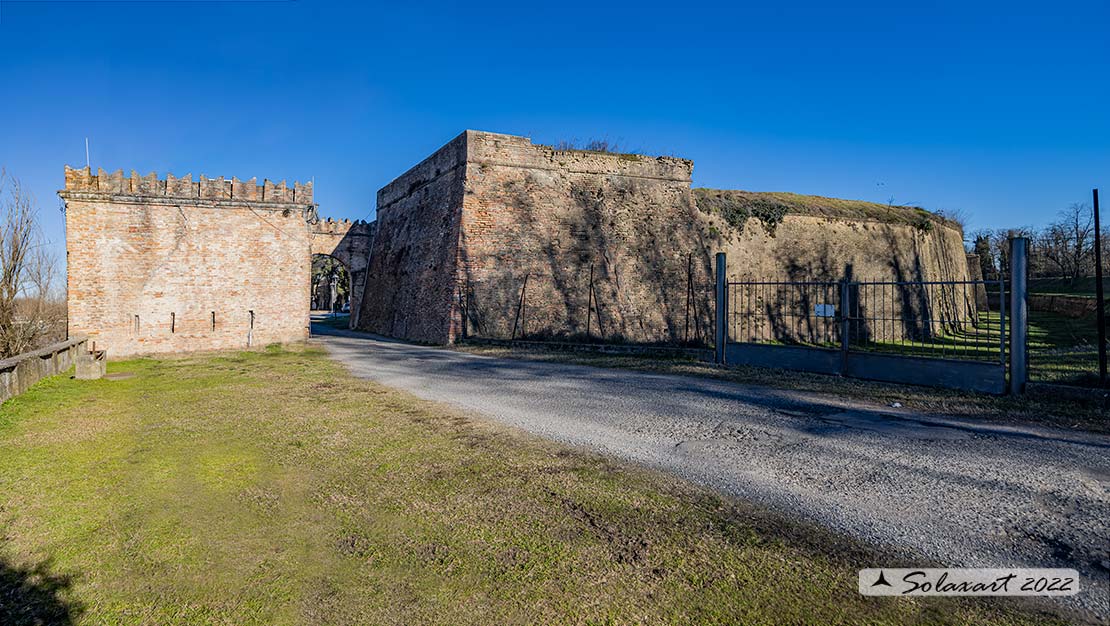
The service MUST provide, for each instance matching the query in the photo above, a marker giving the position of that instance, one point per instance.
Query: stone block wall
(176, 265)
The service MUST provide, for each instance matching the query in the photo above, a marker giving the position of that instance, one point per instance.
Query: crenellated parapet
(150, 186)
(341, 227)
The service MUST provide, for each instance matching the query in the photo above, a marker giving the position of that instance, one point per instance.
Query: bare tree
(999, 242)
(1067, 245)
(29, 312)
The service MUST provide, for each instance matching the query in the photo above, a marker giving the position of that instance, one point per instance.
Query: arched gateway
(349, 242)
(170, 265)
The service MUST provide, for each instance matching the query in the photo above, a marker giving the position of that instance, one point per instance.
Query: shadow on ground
(34, 596)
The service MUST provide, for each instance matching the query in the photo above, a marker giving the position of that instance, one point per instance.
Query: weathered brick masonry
(566, 219)
(411, 280)
(462, 234)
(180, 265)
(491, 236)
(464, 229)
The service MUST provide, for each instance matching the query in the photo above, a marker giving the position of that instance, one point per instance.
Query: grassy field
(1063, 349)
(271, 487)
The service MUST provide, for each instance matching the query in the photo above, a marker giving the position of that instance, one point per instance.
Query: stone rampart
(494, 236)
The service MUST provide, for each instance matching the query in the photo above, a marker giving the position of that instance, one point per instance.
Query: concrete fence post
(1019, 320)
(720, 337)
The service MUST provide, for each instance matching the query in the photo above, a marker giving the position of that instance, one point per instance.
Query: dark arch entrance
(331, 287)
(349, 243)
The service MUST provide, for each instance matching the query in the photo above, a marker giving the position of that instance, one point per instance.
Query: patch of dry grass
(713, 200)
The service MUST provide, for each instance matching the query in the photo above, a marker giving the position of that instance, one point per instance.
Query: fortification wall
(804, 247)
(494, 236)
(808, 248)
(410, 282)
(170, 265)
(549, 223)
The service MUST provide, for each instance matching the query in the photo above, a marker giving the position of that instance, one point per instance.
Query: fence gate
(939, 333)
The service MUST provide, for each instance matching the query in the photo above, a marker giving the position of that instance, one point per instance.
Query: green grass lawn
(1063, 349)
(271, 487)
(1084, 286)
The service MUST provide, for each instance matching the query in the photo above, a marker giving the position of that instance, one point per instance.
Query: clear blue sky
(998, 109)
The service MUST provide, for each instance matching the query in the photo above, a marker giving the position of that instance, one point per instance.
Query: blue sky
(1000, 110)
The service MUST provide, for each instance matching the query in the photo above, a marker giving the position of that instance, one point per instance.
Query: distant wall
(1068, 306)
(975, 272)
(175, 265)
(817, 248)
(809, 248)
(349, 242)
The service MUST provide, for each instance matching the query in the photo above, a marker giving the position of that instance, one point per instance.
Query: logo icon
(881, 580)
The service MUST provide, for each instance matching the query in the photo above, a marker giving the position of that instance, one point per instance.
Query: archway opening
(331, 287)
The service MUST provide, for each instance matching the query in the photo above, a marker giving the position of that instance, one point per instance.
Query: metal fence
(937, 319)
(942, 333)
(971, 334)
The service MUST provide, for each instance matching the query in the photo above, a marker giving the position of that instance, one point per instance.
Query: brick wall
(461, 231)
(410, 284)
(807, 247)
(564, 219)
(170, 265)
(489, 216)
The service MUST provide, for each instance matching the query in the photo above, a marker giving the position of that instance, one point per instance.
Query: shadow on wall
(34, 596)
(601, 267)
(615, 259)
(899, 309)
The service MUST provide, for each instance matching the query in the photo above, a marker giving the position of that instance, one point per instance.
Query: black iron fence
(960, 333)
(938, 319)
(942, 333)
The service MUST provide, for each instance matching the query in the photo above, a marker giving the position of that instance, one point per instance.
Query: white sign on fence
(824, 310)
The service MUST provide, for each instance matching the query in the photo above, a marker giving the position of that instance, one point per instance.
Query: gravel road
(951, 490)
